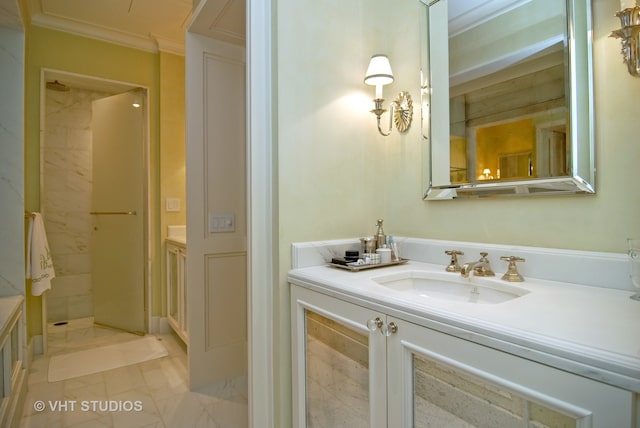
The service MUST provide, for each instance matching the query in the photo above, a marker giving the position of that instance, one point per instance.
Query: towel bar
(112, 213)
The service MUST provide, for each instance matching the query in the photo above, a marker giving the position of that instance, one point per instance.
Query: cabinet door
(339, 368)
(182, 292)
(438, 380)
(172, 286)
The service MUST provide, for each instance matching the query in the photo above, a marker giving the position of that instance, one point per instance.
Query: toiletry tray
(356, 268)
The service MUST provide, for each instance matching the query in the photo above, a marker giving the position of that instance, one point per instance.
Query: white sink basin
(450, 286)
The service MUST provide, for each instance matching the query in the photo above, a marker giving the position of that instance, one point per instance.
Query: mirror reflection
(507, 92)
(511, 74)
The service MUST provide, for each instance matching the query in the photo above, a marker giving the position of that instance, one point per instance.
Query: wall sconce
(629, 35)
(379, 74)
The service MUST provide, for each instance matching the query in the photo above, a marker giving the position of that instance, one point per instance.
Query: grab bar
(112, 213)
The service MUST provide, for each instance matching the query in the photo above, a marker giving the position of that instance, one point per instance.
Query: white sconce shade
(379, 74)
(379, 71)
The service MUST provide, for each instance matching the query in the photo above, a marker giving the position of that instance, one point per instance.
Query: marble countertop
(591, 331)
(181, 240)
(177, 234)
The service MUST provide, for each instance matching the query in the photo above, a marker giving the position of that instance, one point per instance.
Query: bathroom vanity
(176, 250)
(387, 347)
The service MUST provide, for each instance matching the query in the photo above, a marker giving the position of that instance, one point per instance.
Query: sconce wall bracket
(401, 113)
(629, 36)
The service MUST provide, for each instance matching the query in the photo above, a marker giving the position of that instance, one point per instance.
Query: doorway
(100, 259)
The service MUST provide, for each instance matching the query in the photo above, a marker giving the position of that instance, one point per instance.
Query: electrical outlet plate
(222, 222)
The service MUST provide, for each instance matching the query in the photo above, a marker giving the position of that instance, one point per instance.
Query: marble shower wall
(66, 174)
(12, 268)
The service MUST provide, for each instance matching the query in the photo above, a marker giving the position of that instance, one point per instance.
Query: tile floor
(149, 394)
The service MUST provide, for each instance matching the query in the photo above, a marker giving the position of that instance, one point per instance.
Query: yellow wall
(172, 150)
(66, 52)
(336, 175)
(507, 138)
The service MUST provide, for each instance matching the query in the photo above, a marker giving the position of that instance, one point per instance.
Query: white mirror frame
(435, 112)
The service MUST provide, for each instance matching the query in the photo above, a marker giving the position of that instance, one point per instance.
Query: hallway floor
(158, 387)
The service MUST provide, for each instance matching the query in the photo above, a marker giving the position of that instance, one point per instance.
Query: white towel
(39, 263)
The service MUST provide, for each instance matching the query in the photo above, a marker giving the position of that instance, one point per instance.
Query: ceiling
(149, 25)
(466, 14)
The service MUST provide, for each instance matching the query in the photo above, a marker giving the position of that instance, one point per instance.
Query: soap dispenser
(381, 238)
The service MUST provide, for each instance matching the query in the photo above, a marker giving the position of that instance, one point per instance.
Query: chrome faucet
(479, 268)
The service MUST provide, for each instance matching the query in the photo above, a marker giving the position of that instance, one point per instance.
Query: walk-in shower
(70, 177)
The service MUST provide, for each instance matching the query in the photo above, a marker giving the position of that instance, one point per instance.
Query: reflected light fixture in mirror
(629, 35)
(379, 74)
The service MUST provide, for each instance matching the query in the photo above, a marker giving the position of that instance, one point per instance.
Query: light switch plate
(222, 222)
(172, 205)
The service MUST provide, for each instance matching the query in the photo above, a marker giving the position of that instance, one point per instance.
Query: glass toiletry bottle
(380, 236)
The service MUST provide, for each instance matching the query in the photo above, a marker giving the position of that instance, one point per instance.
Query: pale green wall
(336, 175)
(600, 223)
(332, 164)
(66, 52)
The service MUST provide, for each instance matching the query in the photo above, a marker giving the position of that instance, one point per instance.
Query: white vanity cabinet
(176, 288)
(354, 365)
(12, 370)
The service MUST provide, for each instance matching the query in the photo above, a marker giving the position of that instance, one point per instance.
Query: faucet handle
(512, 274)
(454, 266)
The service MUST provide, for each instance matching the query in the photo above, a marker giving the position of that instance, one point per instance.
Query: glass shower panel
(118, 205)
(337, 383)
(446, 396)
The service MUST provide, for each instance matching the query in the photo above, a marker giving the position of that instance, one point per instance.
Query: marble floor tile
(150, 394)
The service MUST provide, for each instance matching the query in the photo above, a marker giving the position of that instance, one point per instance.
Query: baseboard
(35, 347)
(159, 325)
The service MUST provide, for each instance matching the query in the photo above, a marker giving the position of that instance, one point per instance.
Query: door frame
(113, 87)
(269, 395)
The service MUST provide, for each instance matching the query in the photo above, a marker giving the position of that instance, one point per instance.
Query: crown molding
(170, 46)
(151, 43)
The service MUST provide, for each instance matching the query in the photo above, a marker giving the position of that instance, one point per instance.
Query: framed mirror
(507, 98)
